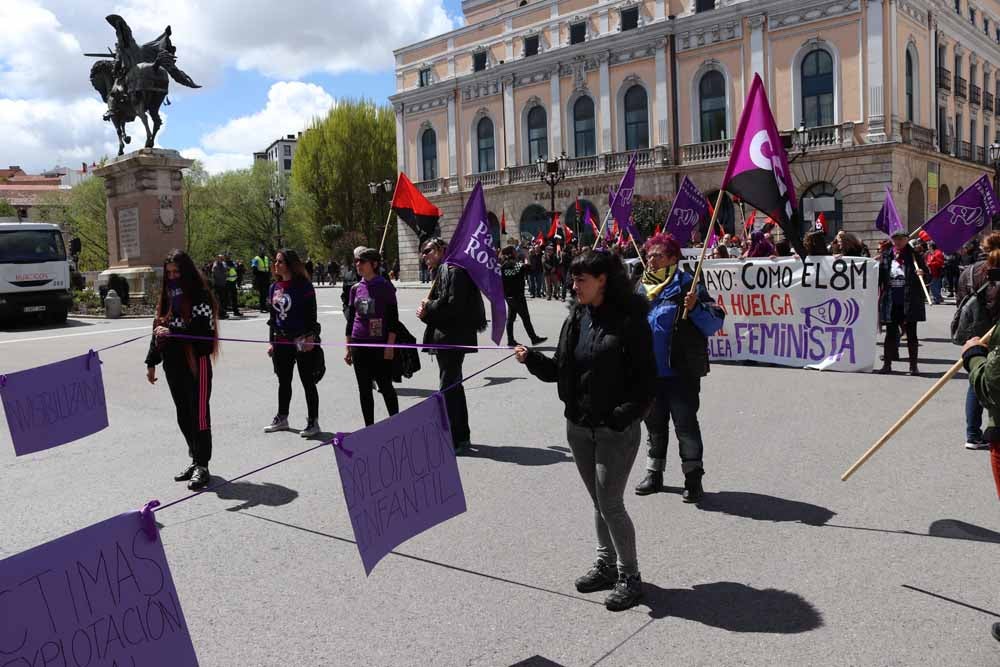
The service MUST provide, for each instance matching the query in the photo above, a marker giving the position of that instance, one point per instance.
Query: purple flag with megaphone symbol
(963, 217)
(687, 210)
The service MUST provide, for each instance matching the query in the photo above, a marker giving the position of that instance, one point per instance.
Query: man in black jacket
(454, 313)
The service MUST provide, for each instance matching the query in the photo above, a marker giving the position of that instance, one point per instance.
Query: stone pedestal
(145, 214)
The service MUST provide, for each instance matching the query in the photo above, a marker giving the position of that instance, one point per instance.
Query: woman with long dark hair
(372, 318)
(901, 300)
(606, 371)
(293, 333)
(187, 308)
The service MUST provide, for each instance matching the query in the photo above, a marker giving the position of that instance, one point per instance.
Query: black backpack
(972, 317)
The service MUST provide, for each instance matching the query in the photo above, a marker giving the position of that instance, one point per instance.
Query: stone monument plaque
(128, 233)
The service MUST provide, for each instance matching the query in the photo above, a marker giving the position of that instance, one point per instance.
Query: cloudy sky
(266, 69)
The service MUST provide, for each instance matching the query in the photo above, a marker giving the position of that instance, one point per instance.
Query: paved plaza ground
(781, 564)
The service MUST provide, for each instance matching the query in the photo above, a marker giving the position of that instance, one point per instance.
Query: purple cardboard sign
(51, 405)
(100, 596)
(400, 477)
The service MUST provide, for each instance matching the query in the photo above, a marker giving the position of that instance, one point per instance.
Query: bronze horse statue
(137, 81)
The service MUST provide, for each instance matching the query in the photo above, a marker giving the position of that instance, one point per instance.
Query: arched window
(823, 198)
(484, 145)
(538, 136)
(915, 206)
(909, 87)
(636, 119)
(429, 154)
(817, 89)
(584, 134)
(712, 106)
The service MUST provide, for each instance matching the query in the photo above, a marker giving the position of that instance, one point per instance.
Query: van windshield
(31, 246)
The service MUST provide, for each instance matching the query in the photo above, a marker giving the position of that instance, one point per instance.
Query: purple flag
(758, 166)
(472, 249)
(621, 203)
(688, 208)
(400, 477)
(51, 405)
(888, 221)
(964, 217)
(99, 596)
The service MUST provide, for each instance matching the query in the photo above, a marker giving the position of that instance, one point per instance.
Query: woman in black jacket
(294, 330)
(605, 370)
(187, 308)
(901, 300)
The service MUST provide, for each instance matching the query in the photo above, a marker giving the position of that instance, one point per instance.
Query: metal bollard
(112, 305)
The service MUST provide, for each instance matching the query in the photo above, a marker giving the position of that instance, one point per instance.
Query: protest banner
(51, 405)
(400, 477)
(818, 313)
(100, 596)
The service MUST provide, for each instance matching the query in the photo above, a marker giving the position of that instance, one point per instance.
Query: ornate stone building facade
(891, 93)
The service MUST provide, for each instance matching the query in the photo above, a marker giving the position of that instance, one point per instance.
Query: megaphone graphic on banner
(832, 312)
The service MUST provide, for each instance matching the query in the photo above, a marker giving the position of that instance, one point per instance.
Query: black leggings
(191, 394)
(370, 365)
(892, 335)
(286, 356)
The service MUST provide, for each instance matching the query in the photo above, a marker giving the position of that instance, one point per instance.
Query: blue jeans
(678, 398)
(973, 417)
(936, 290)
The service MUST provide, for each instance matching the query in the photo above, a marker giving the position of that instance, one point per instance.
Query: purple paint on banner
(965, 216)
(687, 210)
(472, 249)
(51, 405)
(888, 221)
(99, 596)
(400, 479)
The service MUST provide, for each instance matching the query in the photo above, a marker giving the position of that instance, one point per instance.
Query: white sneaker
(977, 444)
(280, 423)
(311, 429)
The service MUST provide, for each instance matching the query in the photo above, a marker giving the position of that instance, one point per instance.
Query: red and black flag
(413, 208)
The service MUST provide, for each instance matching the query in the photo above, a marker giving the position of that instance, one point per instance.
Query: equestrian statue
(135, 81)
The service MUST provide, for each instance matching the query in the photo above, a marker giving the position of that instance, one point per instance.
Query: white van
(34, 272)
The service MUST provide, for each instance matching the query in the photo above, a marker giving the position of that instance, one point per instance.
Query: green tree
(82, 212)
(335, 160)
(6, 210)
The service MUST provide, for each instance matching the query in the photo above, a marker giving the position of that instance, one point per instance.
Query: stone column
(556, 143)
(452, 150)
(757, 45)
(145, 214)
(660, 105)
(400, 139)
(509, 124)
(605, 78)
(876, 88)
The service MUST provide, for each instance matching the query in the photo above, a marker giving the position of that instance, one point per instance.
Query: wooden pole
(704, 247)
(926, 293)
(600, 232)
(638, 252)
(386, 232)
(957, 366)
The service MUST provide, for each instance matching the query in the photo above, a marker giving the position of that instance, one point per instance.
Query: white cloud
(218, 162)
(291, 107)
(39, 133)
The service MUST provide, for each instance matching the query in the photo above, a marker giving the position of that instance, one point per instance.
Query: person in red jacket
(935, 265)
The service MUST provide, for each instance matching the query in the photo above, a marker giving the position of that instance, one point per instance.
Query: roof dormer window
(578, 32)
(479, 61)
(630, 18)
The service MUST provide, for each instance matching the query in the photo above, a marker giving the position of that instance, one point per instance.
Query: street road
(782, 564)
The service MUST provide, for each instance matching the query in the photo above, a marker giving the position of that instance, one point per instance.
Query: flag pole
(743, 219)
(957, 366)
(704, 247)
(386, 232)
(600, 234)
(637, 251)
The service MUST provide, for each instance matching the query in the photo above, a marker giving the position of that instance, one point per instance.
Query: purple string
(412, 346)
(124, 342)
(336, 441)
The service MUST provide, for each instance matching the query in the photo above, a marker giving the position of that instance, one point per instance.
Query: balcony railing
(581, 166)
(944, 79)
(525, 173)
(830, 136)
(488, 179)
(965, 150)
(988, 101)
(975, 94)
(961, 86)
(980, 155)
(921, 137)
(707, 151)
(429, 187)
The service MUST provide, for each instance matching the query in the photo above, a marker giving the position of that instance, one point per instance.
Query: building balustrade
(975, 94)
(918, 136)
(944, 79)
(961, 87)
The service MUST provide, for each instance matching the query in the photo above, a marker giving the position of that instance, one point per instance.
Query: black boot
(912, 346)
(693, 490)
(599, 577)
(651, 483)
(886, 368)
(996, 631)
(626, 594)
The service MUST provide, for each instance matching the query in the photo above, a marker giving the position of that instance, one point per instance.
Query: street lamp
(277, 204)
(379, 190)
(800, 141)
(995, 161)
(552, 172)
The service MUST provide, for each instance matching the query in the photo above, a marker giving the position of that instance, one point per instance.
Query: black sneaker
(539, 340)
(598, 578)
(626, 594)
(996, 631)
(199, 478)
(185, 475)
(463, 448)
